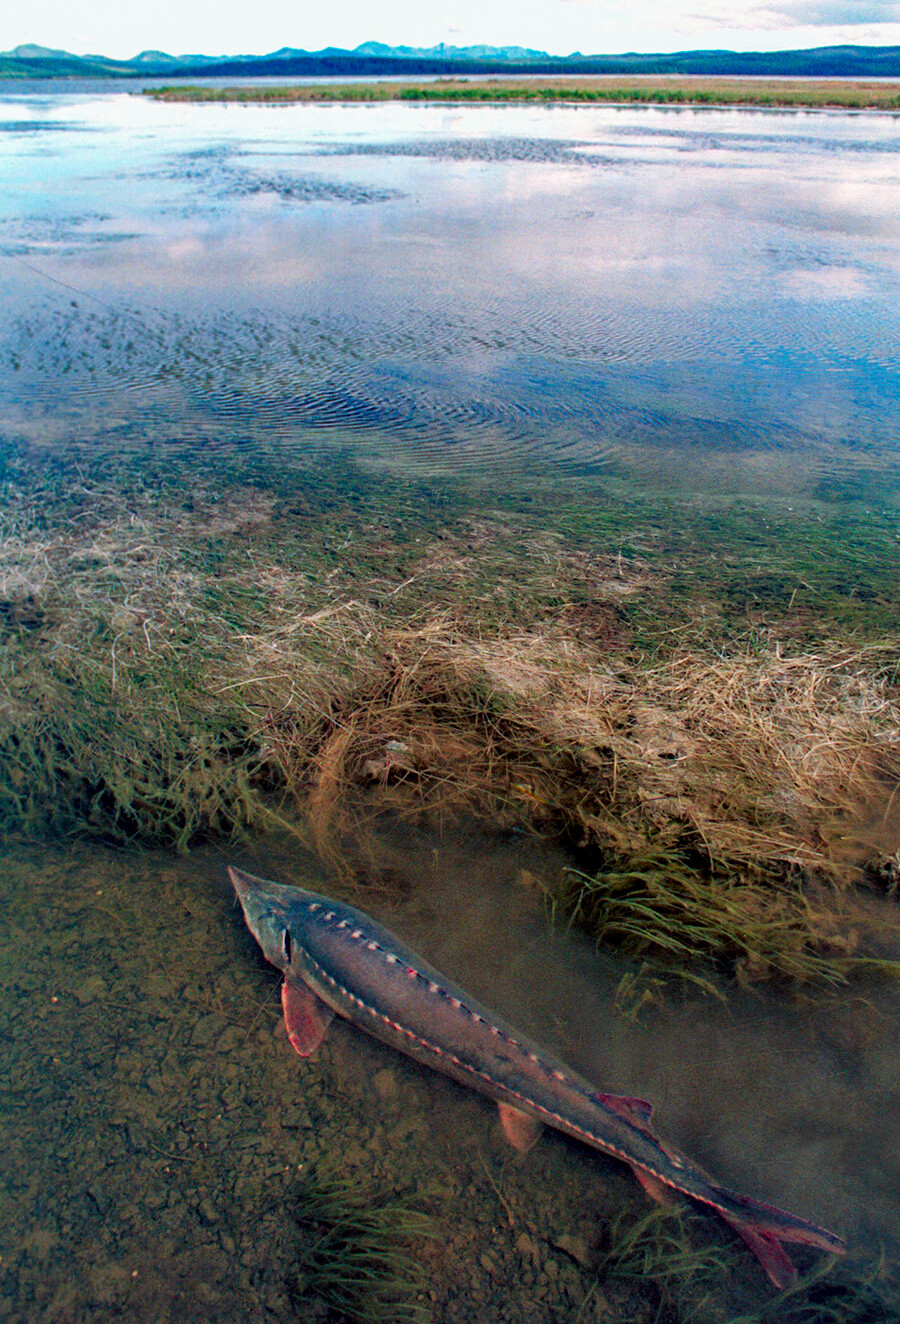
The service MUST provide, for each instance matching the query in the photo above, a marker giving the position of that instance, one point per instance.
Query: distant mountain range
(372, 58)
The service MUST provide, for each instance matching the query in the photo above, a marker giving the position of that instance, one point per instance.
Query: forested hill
(373, 59)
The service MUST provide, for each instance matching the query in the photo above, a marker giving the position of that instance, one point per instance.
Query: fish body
(336, 959)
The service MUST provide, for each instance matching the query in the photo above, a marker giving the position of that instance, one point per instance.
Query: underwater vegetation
(264, 647)
(356, 1254)
(283, 650)
(683, 1280)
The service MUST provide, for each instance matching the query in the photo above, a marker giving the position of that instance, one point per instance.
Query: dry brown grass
(725, 804)
(766, 762)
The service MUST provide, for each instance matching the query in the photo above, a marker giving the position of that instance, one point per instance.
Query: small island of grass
(774, 93)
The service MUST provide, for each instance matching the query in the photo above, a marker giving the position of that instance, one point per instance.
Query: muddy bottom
(156, 1126)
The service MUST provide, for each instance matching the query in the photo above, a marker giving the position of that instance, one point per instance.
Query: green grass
(695, 699)
(687, 919)
(662, 909)
(776, 93)
(678, 1276)
(356, 1252)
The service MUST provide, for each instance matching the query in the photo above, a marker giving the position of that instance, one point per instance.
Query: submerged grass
(687, 916)
(834, 1296)
(356, 1256)
(666, 913)
(656, 1255)
(317, 646)
(684, 1276)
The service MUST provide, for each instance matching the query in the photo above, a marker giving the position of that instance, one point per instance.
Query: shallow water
(690, 299)
(157, 1125)
(699, 297)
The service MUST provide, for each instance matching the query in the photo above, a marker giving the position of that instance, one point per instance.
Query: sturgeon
(336, 959)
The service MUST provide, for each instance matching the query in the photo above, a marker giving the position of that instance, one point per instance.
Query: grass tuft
(356, 1257)
(678, 1278)
(699, 922)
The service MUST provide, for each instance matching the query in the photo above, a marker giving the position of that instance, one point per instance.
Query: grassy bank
(843, 94)
(702, 704)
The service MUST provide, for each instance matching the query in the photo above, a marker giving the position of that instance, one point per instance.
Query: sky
(229, 27)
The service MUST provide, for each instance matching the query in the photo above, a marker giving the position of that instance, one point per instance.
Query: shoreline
(761, 94)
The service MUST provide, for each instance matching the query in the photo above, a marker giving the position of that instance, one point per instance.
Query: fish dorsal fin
(520, 1129)
(636, 1111)
(306, 1017)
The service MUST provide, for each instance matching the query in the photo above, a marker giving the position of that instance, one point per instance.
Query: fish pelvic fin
(520, 1128)
(656, 1189)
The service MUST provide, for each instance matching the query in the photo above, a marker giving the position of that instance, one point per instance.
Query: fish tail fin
(763, 1228)
(760, 1226)
(778, 1265)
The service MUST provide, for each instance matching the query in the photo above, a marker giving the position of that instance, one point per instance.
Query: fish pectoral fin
(656, 1189)
(306, 1017)
(520, 1129)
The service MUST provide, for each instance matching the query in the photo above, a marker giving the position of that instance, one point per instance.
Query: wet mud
(157, 1127)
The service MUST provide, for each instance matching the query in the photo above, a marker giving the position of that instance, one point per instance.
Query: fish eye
(287, 945)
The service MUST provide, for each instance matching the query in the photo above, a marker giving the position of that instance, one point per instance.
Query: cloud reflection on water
(497, 246)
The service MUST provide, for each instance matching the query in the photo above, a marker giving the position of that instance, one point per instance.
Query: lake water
(693, 300)
(703, 298)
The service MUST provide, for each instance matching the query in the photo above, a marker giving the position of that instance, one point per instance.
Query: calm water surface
(695, 296)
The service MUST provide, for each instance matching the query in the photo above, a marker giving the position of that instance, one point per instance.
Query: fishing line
(55, 280)
(124, 313)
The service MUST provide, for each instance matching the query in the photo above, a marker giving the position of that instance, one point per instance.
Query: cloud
(800, 14)
(826, 22)
(827, 283)
(836, 13)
